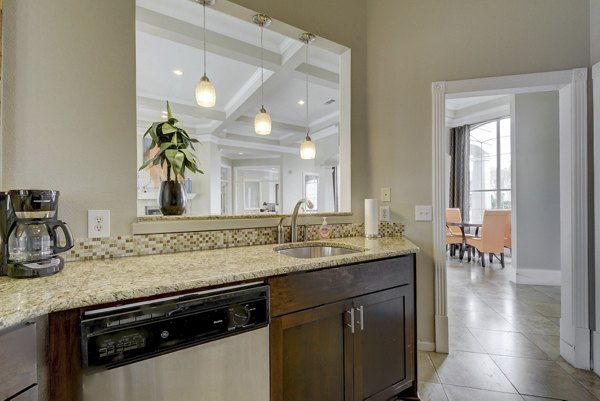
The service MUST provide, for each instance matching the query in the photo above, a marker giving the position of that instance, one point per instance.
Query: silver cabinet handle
(351, 324)
(361, 317)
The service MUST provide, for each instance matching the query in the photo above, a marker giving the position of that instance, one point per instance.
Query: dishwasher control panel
(117, 336)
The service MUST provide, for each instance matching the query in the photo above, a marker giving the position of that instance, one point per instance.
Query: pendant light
(308, 150)
(262, 121)
(206, 96)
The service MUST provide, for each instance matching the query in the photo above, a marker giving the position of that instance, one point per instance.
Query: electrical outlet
(384, 213)
(98, 223)
(386, 194)
(423, 213)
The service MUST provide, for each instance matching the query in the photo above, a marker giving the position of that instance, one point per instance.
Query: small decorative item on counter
(325, 229)
(188, 185)
(173, 156)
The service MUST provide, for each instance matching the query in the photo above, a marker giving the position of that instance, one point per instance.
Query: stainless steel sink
(315, 251)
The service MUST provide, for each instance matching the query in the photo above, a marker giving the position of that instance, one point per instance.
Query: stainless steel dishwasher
(207, 346)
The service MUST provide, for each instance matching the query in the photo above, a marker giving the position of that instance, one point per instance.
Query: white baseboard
(426, 346)
(577, 355)
(596, 353)
(538, 276)
(441, 334)
(582, 349)
(567, 351)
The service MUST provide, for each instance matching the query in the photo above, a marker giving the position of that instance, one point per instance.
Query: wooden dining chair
(454, 234)
(492, 236)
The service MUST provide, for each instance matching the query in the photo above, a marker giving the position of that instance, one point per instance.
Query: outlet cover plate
(98, 223)
(423, 213)
(384, 213)
(386, 194)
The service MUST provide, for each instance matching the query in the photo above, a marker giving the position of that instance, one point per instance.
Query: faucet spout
(294, 227)
(280, 231)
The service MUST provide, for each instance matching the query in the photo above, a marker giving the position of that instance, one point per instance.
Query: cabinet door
(384, 349)
(312, 354)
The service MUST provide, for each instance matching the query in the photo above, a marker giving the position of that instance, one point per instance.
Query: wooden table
(462, 225)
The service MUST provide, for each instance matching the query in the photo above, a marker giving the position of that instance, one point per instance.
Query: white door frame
(596, 112)
(575, 334)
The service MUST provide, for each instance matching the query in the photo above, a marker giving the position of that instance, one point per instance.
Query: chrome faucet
(280, 231)
(308, 203)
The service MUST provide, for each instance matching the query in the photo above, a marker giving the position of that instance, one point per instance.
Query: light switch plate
(423, 213)
(98, 223)
(384, 213)
(386, 194)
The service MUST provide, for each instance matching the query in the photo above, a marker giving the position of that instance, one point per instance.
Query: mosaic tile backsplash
(152, 244)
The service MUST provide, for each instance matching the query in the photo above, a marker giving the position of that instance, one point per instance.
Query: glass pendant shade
(206, 96)
(308, 150)
(262, 122)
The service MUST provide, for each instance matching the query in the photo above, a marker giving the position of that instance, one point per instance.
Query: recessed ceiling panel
(158, 58)
(284, 104)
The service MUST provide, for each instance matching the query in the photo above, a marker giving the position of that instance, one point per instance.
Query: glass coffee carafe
(33, 241)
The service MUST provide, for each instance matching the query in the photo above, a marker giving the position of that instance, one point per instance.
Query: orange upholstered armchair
(507, 231)
(492, 236)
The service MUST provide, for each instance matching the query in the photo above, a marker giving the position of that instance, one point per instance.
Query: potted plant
(175, 157)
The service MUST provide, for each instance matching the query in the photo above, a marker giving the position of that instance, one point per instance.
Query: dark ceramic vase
(172, 198)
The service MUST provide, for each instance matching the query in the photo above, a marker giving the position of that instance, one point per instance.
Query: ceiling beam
(245, 144)
(319, 125)
(251, 99)
(176, 30)
(180, 109)
(318, 75)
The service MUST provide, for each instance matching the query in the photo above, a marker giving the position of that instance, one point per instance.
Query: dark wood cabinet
(383, 346)
(311, 354)
(353, 349)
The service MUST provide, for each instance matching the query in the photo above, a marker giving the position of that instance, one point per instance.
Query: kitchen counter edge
(84, 284)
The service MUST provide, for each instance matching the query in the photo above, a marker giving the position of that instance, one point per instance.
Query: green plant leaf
(153, 133)
(188, 155)
(165, 146)
(146, 164)
(176, 158)
(173, 143)
(184, 133)
(168, 128)
(169, 114)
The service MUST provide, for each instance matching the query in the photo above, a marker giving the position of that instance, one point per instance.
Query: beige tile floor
(504, 343)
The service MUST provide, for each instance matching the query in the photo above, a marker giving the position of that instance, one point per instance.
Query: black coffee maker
(29, 233)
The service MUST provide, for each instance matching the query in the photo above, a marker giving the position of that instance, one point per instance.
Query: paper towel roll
(371, 218)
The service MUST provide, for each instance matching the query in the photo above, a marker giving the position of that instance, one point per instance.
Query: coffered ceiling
(170, 39)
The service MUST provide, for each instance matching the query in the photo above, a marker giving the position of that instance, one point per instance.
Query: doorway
(572, 88)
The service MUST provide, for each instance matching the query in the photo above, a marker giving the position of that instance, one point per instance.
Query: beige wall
(595, 31)
(537, 186)
(413, 43)
(69, 110)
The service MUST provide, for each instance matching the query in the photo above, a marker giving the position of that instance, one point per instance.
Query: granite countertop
(103, 281)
